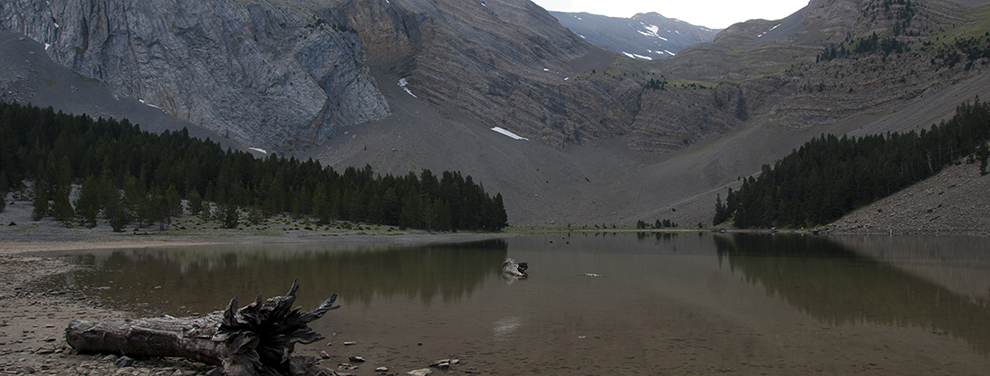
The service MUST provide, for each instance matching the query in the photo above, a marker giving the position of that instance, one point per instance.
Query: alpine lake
(687, 303)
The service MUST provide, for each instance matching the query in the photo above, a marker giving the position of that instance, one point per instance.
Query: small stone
(356, 359)
(124, 361)
(420, 372)
(350, 343)
(109, 358)
(381, 369)
(442, 364)
(446, 362)
(324, 355)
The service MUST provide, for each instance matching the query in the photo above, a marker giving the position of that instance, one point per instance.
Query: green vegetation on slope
(829, 177)
(129, 176)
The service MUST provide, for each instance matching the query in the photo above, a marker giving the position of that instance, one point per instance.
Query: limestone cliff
(264, 74)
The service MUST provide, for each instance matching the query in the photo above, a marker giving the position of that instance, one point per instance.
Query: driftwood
(257, 339)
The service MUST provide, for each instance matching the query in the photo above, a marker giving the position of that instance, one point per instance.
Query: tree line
(830, 176)
(128, 176)
(862, 46)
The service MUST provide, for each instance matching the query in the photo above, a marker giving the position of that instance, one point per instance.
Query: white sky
(716, 14)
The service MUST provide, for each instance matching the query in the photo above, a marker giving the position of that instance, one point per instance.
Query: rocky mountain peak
(645, 36)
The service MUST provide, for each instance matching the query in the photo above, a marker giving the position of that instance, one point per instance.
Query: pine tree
(88, 202)
(983, 154)
(173, 201)
(391, 208)
(4, 188)
(499, 219)
(195, 203)
(721, 212)
(228, 215)
(322, 205)
(40, 202)
(137, 202)
(61, 206)
(115, 212)
(206, 212)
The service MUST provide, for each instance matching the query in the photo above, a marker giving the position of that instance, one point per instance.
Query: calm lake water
(605, 303)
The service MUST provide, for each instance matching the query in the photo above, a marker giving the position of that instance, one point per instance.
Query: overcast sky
(716, 14)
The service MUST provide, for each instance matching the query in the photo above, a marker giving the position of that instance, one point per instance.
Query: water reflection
(837, 285)
(204, 279)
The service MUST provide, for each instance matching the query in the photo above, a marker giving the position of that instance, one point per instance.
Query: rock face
(263, 74)
(507, 63)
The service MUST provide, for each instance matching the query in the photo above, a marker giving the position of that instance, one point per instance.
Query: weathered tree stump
(514, 269)
(257, 339)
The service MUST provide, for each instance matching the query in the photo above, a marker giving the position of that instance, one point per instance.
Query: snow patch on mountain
(509, 133)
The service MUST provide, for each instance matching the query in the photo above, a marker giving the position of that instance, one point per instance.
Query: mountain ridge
(644, 36)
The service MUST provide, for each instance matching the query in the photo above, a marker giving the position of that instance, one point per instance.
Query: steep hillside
(645, 36)
(29, 76)
(263, 74)
(507, 63)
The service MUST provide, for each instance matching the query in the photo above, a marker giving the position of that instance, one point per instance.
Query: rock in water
(514, 269)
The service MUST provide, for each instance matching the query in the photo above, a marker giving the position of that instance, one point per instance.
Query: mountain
(645, 36)
(404, 85)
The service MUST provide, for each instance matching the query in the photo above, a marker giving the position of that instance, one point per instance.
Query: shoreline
(19, 246)
(33, 315)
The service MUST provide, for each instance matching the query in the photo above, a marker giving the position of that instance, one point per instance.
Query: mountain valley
(609, 139)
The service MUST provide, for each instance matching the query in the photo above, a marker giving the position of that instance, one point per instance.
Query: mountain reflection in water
(839, 286)
(206, 278)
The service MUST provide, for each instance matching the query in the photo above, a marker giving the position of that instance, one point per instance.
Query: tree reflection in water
(179, 281)
(839, 286)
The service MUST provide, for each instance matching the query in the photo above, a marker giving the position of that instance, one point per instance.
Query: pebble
(420, 372)
(124, 361)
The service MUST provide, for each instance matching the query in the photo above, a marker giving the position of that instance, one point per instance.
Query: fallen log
(257, 339)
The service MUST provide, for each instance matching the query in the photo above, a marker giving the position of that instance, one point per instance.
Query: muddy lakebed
(596, 303)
